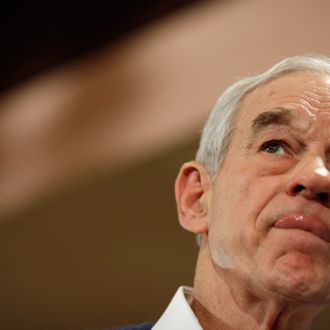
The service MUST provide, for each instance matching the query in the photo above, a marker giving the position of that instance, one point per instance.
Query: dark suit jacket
(144, 326)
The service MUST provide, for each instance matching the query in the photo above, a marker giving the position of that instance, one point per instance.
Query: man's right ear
(193, 188)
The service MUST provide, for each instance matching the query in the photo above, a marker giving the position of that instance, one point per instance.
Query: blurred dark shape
(37, 36)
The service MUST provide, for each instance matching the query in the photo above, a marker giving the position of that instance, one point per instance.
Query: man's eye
(274, 147)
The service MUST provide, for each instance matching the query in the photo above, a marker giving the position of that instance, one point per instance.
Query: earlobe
(192, 190)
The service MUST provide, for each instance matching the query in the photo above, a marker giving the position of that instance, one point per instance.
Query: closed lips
(304, 222)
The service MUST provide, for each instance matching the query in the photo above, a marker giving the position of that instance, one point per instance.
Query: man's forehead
(288, 99)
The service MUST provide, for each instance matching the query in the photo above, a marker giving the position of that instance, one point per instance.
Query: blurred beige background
(90, 151)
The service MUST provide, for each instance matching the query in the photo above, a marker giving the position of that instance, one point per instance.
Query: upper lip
(310, 223)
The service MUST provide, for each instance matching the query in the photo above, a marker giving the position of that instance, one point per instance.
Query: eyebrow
(280, 116)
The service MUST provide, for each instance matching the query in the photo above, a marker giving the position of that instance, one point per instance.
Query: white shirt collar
(178, 314)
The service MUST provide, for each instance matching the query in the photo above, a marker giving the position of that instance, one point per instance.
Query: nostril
(298, 188)
(322, 196)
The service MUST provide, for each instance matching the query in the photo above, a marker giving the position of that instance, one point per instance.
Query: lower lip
(306, 223)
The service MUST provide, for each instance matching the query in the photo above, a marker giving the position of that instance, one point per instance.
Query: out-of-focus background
(99, 106)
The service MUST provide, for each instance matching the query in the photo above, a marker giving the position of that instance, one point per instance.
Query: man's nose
(311, 180)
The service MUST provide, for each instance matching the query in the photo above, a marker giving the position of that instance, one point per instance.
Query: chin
(296, 277)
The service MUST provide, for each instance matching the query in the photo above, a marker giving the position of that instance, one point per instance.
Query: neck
(221, 301)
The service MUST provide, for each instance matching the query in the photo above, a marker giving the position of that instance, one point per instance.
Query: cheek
(240, 192)
(232, 215)
(237, 205)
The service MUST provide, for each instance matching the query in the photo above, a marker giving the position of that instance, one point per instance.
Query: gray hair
(217, 131)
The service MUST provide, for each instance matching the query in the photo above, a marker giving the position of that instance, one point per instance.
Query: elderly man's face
(269, 215)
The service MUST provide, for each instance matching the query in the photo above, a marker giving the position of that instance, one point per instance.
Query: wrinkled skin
(266, 217)
(261, 181)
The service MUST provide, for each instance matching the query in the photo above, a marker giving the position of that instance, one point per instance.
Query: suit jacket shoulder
(144, 326)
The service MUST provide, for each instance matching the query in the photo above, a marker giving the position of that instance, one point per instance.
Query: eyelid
(293, 144)
(279, 141)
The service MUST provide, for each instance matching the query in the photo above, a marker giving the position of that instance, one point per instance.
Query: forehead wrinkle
(313, 104)
(316, 98)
